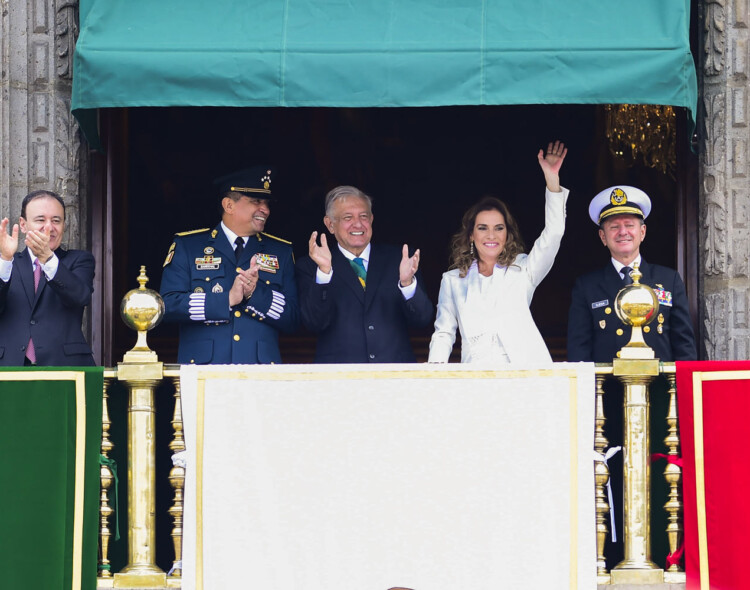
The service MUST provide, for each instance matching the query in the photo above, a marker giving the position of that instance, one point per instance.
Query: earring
(471, 250)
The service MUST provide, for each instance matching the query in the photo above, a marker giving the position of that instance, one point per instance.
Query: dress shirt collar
(364, 256)
(231, 236)
(34, 260)
(619, 265)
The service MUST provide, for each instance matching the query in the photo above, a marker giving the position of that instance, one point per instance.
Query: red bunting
(714, 408)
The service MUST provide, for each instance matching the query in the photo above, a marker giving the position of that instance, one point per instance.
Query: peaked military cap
(619, 200)
(253, 182)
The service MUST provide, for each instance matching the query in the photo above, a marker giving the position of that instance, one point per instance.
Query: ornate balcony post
(636, 305)
(601, 477)
(673, 474)
(106, 476)
(177, 475)
(141, 309)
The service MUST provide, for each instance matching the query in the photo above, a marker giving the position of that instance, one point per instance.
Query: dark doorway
(422, 166)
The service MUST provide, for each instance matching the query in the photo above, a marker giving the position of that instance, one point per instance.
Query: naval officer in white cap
(594, 331)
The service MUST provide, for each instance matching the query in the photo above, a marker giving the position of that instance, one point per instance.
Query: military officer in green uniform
(232, 288)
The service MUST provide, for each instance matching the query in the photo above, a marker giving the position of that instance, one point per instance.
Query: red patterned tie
(30, 350)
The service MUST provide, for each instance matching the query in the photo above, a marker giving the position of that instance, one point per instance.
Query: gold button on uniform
(647, 329)
(208, 279)
(619, 331)
(236, 337)
(237, 314)
(268, 282)
(608, 310)
(238, 269)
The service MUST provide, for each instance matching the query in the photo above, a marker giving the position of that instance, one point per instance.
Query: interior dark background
(423, 167)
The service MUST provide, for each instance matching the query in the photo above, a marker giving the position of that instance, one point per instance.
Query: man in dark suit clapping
(360, 298)
(43, 289)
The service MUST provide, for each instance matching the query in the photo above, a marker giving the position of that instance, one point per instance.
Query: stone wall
(41, 144)
(724, 179)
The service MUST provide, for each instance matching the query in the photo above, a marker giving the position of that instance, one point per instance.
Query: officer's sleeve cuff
(198, 307)
(322, 278)
(408, 292)
(277, 305)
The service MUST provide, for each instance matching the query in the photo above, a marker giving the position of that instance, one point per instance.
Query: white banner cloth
(430, 477)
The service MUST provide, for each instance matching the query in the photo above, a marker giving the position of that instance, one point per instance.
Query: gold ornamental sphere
(636, 304)
(142, 309)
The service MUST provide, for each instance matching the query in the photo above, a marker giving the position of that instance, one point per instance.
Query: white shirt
(49, 268)
(322, 278)
(231, 236)
(619, 265)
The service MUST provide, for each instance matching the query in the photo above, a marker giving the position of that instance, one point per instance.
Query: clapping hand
(38, 242)
(8, 242)
(244, 283)
(321, 255)
(408, 267)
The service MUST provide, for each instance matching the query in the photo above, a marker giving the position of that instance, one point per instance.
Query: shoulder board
(275, 238)
(192, 231)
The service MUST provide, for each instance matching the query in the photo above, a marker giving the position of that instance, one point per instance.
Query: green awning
(382, 53)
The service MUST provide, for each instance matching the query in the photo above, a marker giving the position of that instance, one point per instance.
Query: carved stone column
(724, 179)
(41, 144)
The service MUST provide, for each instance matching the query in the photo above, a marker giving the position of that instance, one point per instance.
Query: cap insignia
(266, 180)
(618, 197)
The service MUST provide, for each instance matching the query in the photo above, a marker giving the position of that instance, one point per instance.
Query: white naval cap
(619, 200)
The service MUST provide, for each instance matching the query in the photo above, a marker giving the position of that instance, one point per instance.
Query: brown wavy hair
(461, 256)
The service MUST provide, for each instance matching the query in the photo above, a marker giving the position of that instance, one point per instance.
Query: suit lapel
(612, 281)
(222, 247)
(25, 271)
(646, 272)
(60, 253)
(254, 245)
(343, 267)
(375, 272)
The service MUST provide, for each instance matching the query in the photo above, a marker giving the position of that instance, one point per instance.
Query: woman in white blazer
(488, 290)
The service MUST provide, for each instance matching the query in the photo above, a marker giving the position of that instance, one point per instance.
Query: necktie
(628, 280)
(358, 264)
(239, 248)
(30, 350)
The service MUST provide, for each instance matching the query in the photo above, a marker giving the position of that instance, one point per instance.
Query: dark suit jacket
(52, 316)
(356, 325)
(248, 333)
(593, 324)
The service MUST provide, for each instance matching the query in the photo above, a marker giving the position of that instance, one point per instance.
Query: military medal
(217, 288)
(207, 263)
(664, 297)
(267, 262)
(208, 250)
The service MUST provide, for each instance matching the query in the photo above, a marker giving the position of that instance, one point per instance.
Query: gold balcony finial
(141, 309)
(637, 306)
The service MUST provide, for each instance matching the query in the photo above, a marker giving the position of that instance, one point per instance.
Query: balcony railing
(142, 373)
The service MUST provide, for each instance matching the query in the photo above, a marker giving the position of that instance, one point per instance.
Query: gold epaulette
(275, 238)
(192, 231)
